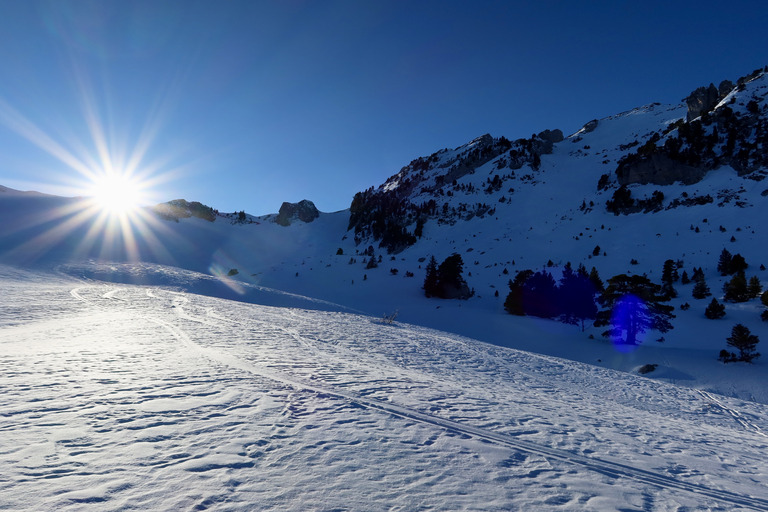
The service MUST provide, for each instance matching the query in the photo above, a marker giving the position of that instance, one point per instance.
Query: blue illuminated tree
(633, 306)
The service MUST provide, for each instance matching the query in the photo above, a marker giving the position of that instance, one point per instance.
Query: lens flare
(626, 318)
(116, 193)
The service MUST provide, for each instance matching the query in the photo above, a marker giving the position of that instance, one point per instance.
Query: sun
(116, 193)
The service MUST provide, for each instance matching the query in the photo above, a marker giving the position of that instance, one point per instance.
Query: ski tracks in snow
(612, 469)
(736, 415)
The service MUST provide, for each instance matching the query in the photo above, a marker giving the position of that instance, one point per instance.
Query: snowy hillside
(504, 206)
(183, 358)
(139, 397)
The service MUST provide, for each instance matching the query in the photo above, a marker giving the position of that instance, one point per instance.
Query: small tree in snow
(700, 289)
(744, 341)
(715, 310)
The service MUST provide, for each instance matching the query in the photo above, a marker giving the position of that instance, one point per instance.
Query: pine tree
(700, 289)
(724, 263)
(684, 279)
(669, 272)
(372, 263)
(540, 296)
(736, 289)
(513, 304)
(445, 280)
(715, 310)
(754, 287)
(668, 277)
(430, 281)
(764, 298)
(633, 305)
(697, 274)
(576, 295)
(738, 264)
(745, 342)
(596, 281)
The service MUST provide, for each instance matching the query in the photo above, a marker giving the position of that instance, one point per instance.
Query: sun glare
(116, 193)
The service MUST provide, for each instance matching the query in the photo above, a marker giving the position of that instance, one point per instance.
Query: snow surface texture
(137, 373)
(122, 397)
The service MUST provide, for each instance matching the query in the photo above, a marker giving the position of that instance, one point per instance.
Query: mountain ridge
(505, 207)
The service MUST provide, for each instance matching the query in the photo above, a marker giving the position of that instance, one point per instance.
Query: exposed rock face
(702, 100)
(553, 136)
(182, 209)
(725, 87)
(659, 169)
(590, 126)
(304, 211)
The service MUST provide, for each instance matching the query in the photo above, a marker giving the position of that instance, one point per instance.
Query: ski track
(610, 468)
(736, 415)
(166, 400)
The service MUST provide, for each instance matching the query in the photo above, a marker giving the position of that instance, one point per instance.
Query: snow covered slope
(228, 362)
(122, 397)
(504, 206)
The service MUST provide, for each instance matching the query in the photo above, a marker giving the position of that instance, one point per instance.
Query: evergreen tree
(596, 281)
(540, 296)
(715, 310)
(738, 264)
(451, 283)
(724, 263)
(445, 280)
(697, 274)
(754, 287)
(736, 289)
(684, 279)
(372, 263)
(577, 297)
(668, 276)
(764, 298)
(419, 230)
(728, 264)
(633, 305)
(669, 272)
(700, 289)
(430, 281)
(745, 342)
(513, 304)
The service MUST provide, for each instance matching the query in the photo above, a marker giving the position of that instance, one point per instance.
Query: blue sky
(246, 104)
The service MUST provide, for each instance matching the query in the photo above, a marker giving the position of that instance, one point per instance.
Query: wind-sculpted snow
(118, 397)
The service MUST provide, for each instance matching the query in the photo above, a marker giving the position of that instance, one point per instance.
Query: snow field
(118, 397)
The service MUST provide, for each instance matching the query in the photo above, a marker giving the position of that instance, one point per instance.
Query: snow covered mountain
(623, 194)
(186, 358)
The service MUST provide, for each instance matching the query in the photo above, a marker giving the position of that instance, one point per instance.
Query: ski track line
(736, 415)
(604, 467)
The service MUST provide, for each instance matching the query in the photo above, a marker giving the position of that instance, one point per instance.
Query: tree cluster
(729, 264)
(445, 280)
(572, 300)
(720, 137)
(633, 305)
(622, 202)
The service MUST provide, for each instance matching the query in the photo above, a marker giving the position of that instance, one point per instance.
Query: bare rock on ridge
(304, 211)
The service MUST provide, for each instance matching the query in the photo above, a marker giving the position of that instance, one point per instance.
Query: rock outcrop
(590, 126)
(553, 136)
(182, 209)
(701, 101)
(659, 169)
(304, 211)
